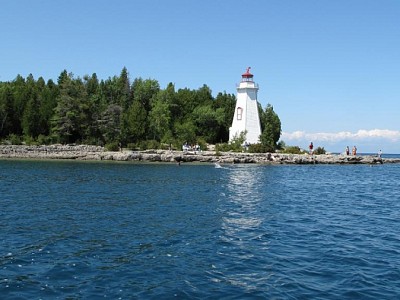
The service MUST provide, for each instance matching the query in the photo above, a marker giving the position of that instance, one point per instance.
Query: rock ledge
(87, 152)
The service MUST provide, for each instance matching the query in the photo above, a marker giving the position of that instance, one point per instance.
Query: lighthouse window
(239, 113)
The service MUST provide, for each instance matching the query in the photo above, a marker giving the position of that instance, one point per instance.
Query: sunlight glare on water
(125, 230)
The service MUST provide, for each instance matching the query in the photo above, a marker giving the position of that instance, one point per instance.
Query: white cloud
(385, 134)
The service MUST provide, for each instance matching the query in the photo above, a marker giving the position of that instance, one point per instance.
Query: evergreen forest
(119, 113)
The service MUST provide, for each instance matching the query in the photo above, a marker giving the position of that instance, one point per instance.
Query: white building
(246, 117)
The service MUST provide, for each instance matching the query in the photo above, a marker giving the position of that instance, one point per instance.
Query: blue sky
(331, 69)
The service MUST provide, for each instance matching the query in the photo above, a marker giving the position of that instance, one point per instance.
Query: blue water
(90, 230)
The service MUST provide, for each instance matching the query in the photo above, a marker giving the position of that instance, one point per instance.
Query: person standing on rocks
(311, 147)
(354, 150)
(347, 150)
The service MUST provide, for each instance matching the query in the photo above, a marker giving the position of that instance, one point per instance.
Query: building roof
(247, 74)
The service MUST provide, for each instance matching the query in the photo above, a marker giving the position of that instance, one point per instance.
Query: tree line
(117, 111)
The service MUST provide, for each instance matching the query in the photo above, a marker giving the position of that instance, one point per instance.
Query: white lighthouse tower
(246, 117)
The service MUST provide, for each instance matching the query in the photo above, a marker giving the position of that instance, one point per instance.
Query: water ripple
(94, 230)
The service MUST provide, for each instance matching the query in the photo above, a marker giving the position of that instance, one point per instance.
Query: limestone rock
(87, 152)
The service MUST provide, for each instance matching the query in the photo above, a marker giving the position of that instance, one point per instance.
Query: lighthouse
(246, 117)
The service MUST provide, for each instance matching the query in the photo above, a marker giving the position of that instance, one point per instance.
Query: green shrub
(14, 139)
(164, 146)
(54, 139)
(235, 145)
(202, 143)
(293, 150)
(132, 146)
(223, 147)
(258, 148)
(150, 144)
(30, 141)
(43, 140)
(319, 150)
(113, 146)
(92, 141)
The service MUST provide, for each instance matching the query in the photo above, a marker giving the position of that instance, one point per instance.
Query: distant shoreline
(97, 153)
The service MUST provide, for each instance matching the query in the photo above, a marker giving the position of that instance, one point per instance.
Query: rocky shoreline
(97, 153)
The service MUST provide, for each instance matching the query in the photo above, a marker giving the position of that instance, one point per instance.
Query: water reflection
(242, 239)
(243, 193)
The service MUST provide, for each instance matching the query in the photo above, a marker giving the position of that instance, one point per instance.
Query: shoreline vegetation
(120, 112)
(98, 153)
